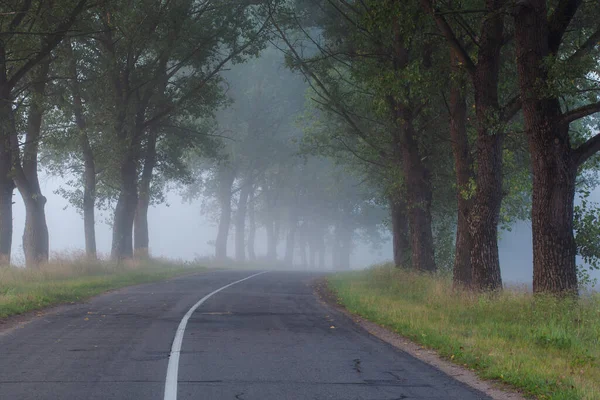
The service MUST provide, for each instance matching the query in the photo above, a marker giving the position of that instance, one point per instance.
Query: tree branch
(586, 150)
(580, 112)
(559, 21)
(50, 44)
(587, 46)
(447, 31)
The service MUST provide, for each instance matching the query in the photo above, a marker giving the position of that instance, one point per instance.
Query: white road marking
(173, 367)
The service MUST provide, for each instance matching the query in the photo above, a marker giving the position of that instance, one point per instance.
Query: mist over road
(265, 338)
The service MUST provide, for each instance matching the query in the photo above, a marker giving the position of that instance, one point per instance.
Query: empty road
(264, 338)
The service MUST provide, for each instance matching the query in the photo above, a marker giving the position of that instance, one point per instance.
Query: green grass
(548, 348)
(67, 281)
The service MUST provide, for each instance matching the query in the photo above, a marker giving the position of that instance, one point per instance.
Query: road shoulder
(495, 390)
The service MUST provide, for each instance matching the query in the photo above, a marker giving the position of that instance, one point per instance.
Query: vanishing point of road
(263, 338)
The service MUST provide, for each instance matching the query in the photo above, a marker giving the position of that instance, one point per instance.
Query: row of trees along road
(503, 91)
(453, 117)
(112, 93)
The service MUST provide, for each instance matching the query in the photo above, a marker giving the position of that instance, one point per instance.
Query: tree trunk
(463, 169)
(226, 178)
(251, 227)
(89, 164)
(122, 239)
(419, 197)
(141, 234)
(271, 240)
(290, 244)
(7, 185)
(322, 250)
(553, 163)
(400, 242)
(417, 178)
(35, 236)
(485, 212)
(240, 220)
(290, 240)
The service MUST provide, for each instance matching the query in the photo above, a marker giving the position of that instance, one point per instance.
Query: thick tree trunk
(419, 197)
(226, 178)
(7, 186)
(463, 169)
(485, 212)
(251, 227)
(35, 236)
(122, 239)
(240, 220)
(89, 164)
(141, 233)
(400, 242)
(417, 178)
(553, 163)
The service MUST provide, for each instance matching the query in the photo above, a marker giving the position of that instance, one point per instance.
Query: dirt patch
(496, 390)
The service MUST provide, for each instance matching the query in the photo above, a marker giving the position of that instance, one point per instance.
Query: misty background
(182, 231)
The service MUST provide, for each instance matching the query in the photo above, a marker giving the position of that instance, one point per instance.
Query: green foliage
(587, 236)
(546, 347)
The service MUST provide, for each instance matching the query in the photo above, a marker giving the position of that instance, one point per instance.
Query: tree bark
(89, 164)
(400, 242)
(251, 227)
(419, 197)
(485, 212)
(226, 178)
(553, 163)
(35, 236)
(417, 178)
(463, 169)
(140, 223)
(122, 239)
(240, 220)
(7, 185)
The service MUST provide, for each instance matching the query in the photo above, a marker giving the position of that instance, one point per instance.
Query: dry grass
(547, 347)
(69, 279)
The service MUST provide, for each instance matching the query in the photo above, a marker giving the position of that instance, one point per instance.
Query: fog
(283, 140)
(180, 231)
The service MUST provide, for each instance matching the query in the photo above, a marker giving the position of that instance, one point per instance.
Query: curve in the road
(173, 366)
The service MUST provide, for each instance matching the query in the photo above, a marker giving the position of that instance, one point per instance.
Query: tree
(35, 29)
(557, 50)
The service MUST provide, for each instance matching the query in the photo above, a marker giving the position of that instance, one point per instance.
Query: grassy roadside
(548, 348)
(76, 280)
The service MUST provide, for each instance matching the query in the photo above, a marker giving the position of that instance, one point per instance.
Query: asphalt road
(267, 338)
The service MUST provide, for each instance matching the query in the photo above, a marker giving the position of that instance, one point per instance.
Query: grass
(548, 348)
(73, 280)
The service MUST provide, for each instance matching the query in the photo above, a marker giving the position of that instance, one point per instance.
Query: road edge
(495, 390)
(17, 321)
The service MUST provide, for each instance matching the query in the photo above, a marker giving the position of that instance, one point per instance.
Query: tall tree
(27, 38)
(557, 50)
